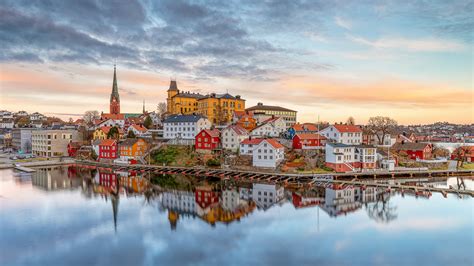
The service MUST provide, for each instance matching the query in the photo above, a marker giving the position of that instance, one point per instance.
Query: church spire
(143, 106)
(115, 87)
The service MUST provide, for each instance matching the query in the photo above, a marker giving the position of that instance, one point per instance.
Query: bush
(166, 155)
(213, 163)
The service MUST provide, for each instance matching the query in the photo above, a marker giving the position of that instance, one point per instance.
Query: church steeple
(114, 96)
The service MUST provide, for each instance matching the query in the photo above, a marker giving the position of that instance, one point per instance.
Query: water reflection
(216, 201)
(83, 216)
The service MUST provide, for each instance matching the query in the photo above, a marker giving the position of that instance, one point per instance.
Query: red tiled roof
(106, 129)
(305, 127)
(274, 143)
(253, 141)
(108, 142)
(271, 119)
(213, 133)
(348, 128)
(113, 116)
(410, 146)
(139, 128)
(310, 136)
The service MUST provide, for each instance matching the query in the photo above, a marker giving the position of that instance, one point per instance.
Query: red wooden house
(465, 151)
(108, 150)
(73, 147)
(414, 150)
(208, 139)
(308, 141)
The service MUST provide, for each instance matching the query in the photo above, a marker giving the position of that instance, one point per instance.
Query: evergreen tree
(148, 123)
(113, 133)
(131, 134)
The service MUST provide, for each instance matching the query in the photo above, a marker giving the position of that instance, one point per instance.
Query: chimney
(259, 104)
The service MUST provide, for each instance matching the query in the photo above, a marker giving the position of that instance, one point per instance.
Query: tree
(90, 116)
(70, 121)
(350, 120)
(113, 133)
(131, 134)
(460, 155)
(380, 126)
(148, 123)
(22, 121)
(440, 152)
(161, 109)
(382, 211)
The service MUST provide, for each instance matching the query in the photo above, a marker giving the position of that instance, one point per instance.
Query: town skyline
(329, 62)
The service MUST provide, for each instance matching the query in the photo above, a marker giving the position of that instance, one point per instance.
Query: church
(218, 108)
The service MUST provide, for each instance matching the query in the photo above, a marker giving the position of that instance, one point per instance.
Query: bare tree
(90, 116)
(459, 155)
(380, 126)
(161, 109)
(382, 211)
(440, 152)
(350, 120)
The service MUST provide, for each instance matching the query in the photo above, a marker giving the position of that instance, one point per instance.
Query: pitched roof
(310, 136)
(187, 94)
(139, 128)
(268, 108)
(129, 142)
(271, 119)
(305, 127)
(237, 129)
(183, 118)
(275, 143)
(410, 146)
(173, 86)
(348, 128)
(107, 142)
(251, 141)
(212, 132)
(113, 116)
(106, 129)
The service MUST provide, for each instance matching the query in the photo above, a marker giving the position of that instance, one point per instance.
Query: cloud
(343, 23)
(411, 45)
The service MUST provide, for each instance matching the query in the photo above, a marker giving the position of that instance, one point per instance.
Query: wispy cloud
(412, 45)
(343, 23)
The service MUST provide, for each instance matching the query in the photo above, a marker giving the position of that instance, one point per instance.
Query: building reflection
(224, 202)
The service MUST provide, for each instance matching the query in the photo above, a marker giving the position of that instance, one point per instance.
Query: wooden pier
(387, 180)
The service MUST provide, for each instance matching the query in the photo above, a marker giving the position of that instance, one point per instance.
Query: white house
(138, 130)
(268, 153)
(156, 118)
(184, 126)
(232, 136)
(272, 127)
(6, 123)
(180, 201)
(345, 134)
(345, 158)
(266, 195)
(37, 117)
(110, 123)
(248, 145)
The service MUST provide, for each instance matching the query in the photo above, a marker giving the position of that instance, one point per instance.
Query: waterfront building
(53, 142)
(345, 158)
(208, 140)
(108, 150)
(248, 145)
(340, 201)
(308, 141)
(21, 139)
(218, 108)
(132, 149)
(268, 153)
(232, 136)
(345, 134)
(184, 126)
(268, 111)
(414, 150)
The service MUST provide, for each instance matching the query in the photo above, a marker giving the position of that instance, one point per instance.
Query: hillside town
(220, 131)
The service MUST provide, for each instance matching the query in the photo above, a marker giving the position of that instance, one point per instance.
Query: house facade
(345, 134)
(208, 139)
(268, 153)
(347, 158)
(132, 149)
(53, 142)
(232, 136)
(248, 145)
(272, 127)
(414, 150)
(108, 150)
(308, 141)
(184, 126)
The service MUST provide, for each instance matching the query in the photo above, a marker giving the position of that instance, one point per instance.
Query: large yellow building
(218, 108)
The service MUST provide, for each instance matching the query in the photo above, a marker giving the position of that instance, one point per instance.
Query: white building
(345, 134)
(288, 115)
(110, 123)
(180, 201)
(37, 117)
(248, 145)
(340, 201)
(184, 126)
(138, 130)
(21, 139)
(266, 195)
(53, 143)
(346, 158)
(230, 199)
(268, 153)
(272, 127)
(232, 136)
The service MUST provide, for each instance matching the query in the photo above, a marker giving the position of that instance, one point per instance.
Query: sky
(410, 60)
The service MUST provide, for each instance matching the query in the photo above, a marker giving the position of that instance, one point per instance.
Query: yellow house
(101, 133)
(218, 108)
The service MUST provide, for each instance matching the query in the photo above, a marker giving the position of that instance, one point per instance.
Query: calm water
(70, 216)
